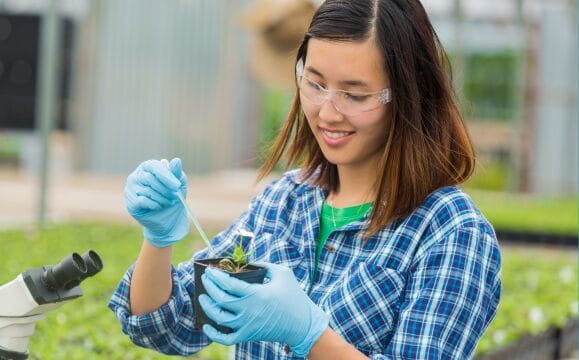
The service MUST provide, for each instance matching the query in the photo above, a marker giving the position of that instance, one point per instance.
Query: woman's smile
(335, 138)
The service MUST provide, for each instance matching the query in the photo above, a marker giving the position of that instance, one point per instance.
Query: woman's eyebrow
(314, 71)
(356, 83)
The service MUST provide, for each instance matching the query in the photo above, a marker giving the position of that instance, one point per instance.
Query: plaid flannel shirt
(425, 287)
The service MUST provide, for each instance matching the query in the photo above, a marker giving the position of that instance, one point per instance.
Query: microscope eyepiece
(66, 274)
(93, 262)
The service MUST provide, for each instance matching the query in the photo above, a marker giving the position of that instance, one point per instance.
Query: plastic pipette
(194, 219)
(190, 212)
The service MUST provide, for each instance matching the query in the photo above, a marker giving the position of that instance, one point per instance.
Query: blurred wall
(537, 130)
(554, 166)
(161, 79)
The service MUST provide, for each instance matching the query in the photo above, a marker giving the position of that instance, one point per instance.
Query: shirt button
(331, 248)
(286, 349)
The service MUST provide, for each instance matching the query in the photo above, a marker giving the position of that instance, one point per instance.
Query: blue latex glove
(151, 198)
(277, 311)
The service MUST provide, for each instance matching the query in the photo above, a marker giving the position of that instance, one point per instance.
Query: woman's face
(349, 141)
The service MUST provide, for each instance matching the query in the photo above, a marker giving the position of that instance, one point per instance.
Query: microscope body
(26, 299)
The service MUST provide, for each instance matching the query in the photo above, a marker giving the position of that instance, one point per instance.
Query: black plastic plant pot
(252, 274)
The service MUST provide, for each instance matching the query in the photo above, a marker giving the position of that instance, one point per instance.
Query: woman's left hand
(277, 311)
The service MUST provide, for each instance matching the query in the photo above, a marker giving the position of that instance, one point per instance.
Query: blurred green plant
(536, 293)
(275, 105)
(491, 84)
(491, 175)
(539, 290)
(85, 328)
(521, 212)
(9, 148)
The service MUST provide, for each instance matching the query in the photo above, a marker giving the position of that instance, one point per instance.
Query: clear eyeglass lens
(348, 103)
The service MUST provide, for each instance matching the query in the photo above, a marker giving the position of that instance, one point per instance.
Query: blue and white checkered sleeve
(451, 297)
(169, 329)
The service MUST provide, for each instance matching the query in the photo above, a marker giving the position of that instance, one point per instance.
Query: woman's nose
(328, 110)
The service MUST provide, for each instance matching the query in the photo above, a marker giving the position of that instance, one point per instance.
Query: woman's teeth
(335, 134)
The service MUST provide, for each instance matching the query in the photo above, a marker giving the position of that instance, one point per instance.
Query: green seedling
(238, 257)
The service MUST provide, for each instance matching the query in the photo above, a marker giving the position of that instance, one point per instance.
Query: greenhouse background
(514, 65)
(203, 80)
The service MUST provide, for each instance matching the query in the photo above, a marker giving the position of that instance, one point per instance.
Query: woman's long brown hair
(426, 145)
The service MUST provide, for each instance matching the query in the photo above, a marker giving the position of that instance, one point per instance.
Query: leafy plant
(238, 257)
(536, 294)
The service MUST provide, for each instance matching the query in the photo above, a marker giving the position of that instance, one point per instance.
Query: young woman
(371, 249)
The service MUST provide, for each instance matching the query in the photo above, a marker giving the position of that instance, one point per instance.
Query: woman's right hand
(151, 198)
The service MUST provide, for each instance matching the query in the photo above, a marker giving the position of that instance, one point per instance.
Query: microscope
(26, 299)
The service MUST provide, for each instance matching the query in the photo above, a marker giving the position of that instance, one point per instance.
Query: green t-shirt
(333, 218)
